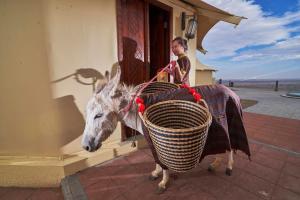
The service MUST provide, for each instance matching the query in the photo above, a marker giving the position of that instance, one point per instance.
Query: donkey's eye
(98, 116)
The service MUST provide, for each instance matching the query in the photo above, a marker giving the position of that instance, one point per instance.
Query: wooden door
(131, 17)
(135, 44)
(132, 43)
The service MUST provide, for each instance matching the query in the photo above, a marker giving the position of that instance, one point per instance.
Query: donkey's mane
(127, 91)
(122, 98)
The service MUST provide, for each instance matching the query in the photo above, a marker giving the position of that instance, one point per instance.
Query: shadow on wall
(132, 67)
(133, 70)
(84, 73)
(69, 116)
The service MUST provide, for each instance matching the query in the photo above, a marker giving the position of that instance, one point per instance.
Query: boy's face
(177, 49)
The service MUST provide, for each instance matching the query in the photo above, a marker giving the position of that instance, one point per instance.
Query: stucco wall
(28, 124)
(80, 35)
(43, 45)
(81, 38)
(44, 41)
(204, 77)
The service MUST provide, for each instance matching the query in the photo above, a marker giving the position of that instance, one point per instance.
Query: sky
(264, 46)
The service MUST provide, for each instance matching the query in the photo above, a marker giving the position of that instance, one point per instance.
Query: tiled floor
(273, 173)
(126, 178)
(278, 131)
(30, 193)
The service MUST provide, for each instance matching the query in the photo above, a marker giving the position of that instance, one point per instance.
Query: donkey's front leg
(230, 163)
(155, 173)
(163, 183)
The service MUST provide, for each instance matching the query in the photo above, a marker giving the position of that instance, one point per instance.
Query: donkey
(104, 111)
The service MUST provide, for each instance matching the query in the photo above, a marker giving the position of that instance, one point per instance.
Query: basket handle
(142, 118)
(204, 103)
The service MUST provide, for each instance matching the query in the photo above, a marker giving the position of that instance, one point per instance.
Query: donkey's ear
(115, 81)
(100, 85)
(112, 86)
(107, 75)
(116, 78)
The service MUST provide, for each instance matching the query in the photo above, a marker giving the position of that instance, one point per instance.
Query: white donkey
(103, 112)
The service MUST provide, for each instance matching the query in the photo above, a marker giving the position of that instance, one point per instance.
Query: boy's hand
(173, 63)
(168, 70)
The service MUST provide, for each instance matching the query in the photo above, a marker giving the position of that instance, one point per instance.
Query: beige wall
(43, 45)
(43, 41)
(204, 77)
(27, 121)
(81, 35)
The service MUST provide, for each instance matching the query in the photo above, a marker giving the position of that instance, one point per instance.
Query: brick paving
(30, 193)
(273, 173)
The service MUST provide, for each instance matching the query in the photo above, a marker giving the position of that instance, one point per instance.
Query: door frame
(146, 39)
(166, 8)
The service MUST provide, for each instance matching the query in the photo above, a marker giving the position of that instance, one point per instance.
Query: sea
(290, 85)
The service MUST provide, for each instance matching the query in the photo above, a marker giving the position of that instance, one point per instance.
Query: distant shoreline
(283, 84)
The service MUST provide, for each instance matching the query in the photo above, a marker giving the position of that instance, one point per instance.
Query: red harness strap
(140, 102)
(138, 93)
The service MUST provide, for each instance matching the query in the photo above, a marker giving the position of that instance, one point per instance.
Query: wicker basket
(157, 87)
(178, 130)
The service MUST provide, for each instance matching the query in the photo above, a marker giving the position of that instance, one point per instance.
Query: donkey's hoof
(160, 190)
(152, 178)
(211, 169)
(228, 172)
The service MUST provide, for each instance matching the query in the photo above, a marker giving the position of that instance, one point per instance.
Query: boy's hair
(182, 42)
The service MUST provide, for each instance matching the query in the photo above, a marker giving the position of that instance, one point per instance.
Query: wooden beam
(220, 16)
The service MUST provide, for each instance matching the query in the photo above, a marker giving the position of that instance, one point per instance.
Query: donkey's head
(101, 112)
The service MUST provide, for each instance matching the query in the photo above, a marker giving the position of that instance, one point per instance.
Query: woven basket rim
(149, 123)
(155, 82)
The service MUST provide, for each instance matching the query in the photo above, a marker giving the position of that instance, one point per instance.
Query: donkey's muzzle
(91, 147)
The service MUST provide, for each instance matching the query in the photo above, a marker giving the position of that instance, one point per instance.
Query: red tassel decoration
(184, 86)
(141, 107)
(197, 97)
(139, 100)
(192, 90)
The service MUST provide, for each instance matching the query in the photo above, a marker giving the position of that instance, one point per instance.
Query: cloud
(288, 49)
(259, 29)
(266, 45)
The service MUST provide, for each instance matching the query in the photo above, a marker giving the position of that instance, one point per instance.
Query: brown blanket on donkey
(227, 130)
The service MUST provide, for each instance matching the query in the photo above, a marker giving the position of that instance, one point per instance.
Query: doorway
(159, 36)
(144, 32)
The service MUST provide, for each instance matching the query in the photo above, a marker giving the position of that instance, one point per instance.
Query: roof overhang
(201, 67)
(208, 16)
